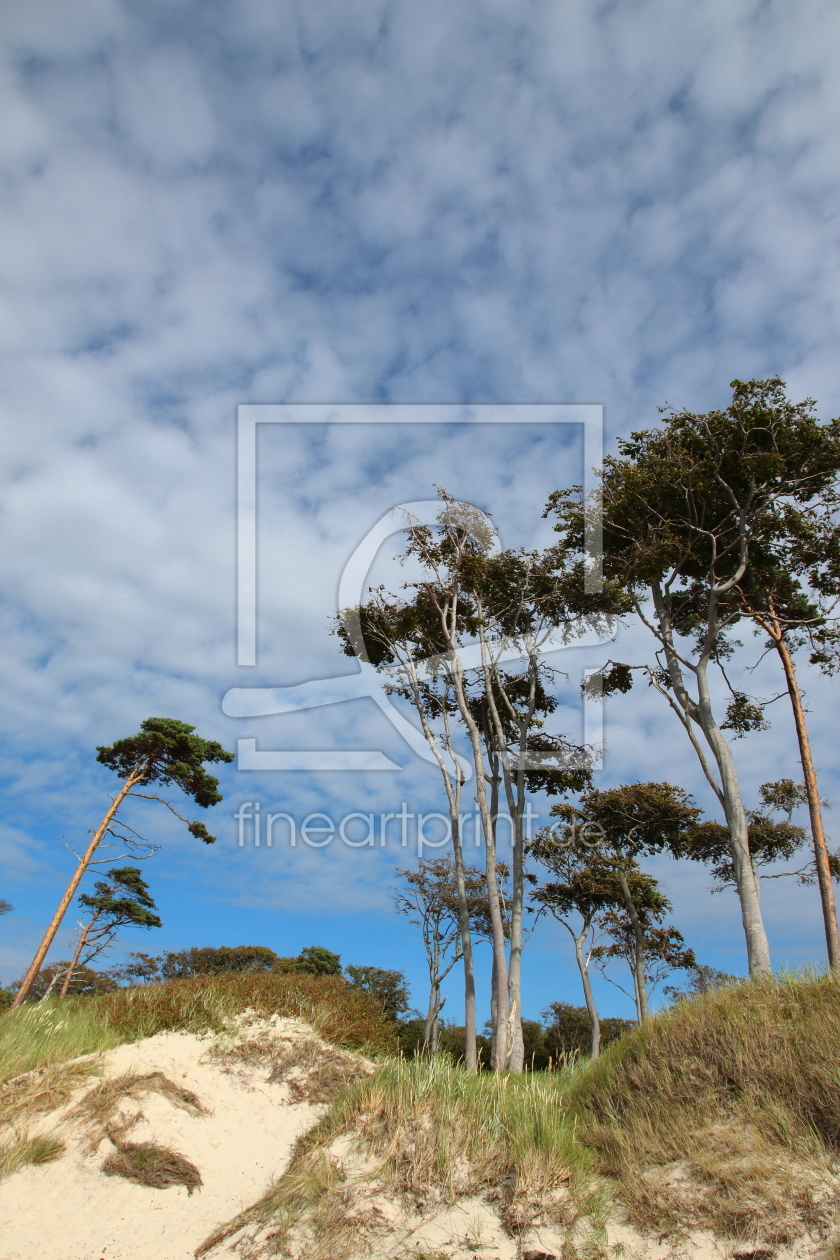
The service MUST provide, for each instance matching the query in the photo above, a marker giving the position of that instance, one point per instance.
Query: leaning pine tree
(166, 752)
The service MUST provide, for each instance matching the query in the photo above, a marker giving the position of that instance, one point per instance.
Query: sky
(214, 204)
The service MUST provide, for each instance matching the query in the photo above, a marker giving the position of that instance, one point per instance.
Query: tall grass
(426, 1131)
(34, 1036)
(740, 1090)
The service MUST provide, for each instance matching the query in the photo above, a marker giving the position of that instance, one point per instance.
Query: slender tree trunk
(68, 975)
(758, 948)
(470, 1048)
(638, 948)
(592, 1011)
(829, 907)
(87, 857)
(700, 712)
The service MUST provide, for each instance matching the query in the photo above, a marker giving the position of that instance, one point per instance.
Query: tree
(210, 960)
(318, 961)
(86, 981)
(431, 894)
(681, 507)
(6, 907)
(120, 900)
(568, 1032)
(701, 980)
(770, 841)
(139, 968)
(511, 603)
(388, 988)
(652, 951)
(584, 886)
(790, 592)
(164, 751)
(626, 821)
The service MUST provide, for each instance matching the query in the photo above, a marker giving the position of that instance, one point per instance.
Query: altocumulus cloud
(211, 203)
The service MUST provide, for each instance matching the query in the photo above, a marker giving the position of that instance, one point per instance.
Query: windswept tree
(164, 752)
(791, 593)
(429, 897)
(448, 644)
(120, 900)
(682, 506)
(651, 948)
(583, 886)
(771, 840)
(622, 824)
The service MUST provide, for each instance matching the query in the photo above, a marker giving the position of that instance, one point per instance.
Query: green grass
(35, 1036)
(16, 1152)
(721, 1114)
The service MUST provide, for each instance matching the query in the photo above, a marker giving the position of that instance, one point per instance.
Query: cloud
(205, 205)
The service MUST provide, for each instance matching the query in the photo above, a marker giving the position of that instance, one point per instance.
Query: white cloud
(203, 206)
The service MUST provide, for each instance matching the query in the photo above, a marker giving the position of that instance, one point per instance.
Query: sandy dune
(69, 1210)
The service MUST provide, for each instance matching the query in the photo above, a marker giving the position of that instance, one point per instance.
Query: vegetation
(721, 1114)
(35, 1036)
(164, 751)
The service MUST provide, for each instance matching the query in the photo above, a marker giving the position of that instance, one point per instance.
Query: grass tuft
(724, 1111)
(151, 1165)
(16, 1152)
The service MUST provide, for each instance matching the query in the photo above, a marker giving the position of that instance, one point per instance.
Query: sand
(69, 1210)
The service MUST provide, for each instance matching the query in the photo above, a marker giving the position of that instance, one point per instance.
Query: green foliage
(134, 906)
(85, 980)
(166, 751)
(318, 961)
(212, 961)
(568, 1032)
(388, 988)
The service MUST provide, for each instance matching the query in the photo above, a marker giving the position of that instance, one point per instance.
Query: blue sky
(209, 204)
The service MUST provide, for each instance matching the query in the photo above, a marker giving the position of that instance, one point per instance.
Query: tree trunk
(470, 1049)
(68, 975)
(829, 907)
(758, 949)
(700, 712)
(595, 1023)
(639, 979)
(87, 857)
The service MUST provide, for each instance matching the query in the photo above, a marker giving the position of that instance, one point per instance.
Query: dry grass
(723, 1113)
(45, 1089)
(19, 1150)
(316, 1072)
(99, 1111)
(151, 1165)
(421, 1133)
(36, 1036)
(342, 1015)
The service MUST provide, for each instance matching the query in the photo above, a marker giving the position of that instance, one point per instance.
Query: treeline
(704, 528)
(388, 989)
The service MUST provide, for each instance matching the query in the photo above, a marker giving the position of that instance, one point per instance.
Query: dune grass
(721, 1114)
(424, 1132)
(55, 1031)
(724, 1111)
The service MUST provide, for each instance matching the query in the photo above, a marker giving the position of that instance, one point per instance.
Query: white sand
(70, 1210)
